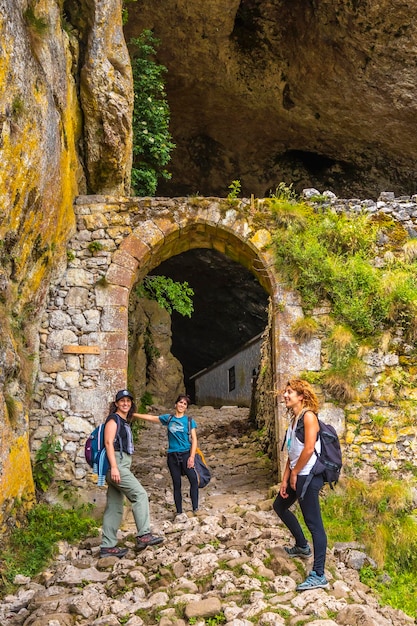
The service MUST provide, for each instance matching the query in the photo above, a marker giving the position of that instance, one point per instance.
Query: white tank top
(295, 448)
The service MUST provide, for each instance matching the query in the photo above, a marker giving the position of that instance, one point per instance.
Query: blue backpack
(95, 450)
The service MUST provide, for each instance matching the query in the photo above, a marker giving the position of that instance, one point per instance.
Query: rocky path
(224, 566)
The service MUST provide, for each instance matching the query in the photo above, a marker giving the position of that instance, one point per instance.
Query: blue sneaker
(313, 581)
(304, 553)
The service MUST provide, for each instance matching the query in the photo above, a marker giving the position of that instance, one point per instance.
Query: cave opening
(230, 308)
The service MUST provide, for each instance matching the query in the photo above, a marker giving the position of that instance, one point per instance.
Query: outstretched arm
(146, 417)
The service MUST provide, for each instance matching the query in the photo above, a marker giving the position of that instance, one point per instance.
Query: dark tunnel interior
(230, 307)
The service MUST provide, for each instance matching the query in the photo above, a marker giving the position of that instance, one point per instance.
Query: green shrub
(329, 257)
(304, 329)
(152, 144)
(169, 294)
(95, 246)
(18, 106)
(43, 468)
(12, 408)
(235, 190)
(39, 25)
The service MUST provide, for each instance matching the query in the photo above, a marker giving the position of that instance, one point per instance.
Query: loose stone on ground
(228, 559)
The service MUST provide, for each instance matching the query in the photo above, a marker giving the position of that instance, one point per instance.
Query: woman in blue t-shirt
(182, 444)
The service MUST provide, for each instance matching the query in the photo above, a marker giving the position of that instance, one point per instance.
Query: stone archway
(84, 334)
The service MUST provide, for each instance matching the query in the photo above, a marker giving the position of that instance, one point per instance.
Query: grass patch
(29, 548)
(380, 516)
(329, 257)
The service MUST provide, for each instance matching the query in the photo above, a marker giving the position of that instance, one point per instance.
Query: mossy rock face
(410, 362)
(395, 231)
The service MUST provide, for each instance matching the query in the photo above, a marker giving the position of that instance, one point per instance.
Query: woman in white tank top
(302, 404)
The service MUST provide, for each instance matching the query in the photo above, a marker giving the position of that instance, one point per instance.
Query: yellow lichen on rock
(16, 481)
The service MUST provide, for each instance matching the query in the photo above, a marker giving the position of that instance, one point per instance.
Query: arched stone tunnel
(84, 334)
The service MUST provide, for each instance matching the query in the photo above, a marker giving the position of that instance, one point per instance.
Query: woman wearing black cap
(121, 482)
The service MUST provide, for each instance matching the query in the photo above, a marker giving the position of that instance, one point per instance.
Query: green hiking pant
(130, 487)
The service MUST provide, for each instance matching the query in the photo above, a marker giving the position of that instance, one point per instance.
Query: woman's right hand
(115, 474)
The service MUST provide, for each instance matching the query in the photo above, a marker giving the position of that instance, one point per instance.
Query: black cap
(123, 393)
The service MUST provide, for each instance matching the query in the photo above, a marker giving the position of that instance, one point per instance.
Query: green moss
(95, 246)
(18, 106)
(38, 24)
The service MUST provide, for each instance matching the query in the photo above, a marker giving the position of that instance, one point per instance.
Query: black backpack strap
(118, 435)
(189, 428)
(306, 484)
(300, 425)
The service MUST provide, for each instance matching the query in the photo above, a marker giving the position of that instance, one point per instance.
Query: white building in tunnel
(229, 381)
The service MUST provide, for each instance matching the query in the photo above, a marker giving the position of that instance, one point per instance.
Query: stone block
(150, 234)
(112, 380)
(58, 338)
(77, 298)
(167, 227)
(261, 238)
(67, 380)
(114, 359)
(114, 341)
(92, 362)
(118, 275)
(74, 424)
(95, 221)
(295, 358)
(125, 259)
(89, 401)
(51, 365)
(79, 277)
(114, 318)
(114, 295)
(53, 402)
(59, 320)
(136, 247)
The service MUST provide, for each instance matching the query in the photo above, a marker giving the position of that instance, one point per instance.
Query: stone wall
(379, 430)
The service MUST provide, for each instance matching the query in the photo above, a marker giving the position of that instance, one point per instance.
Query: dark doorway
(230, 307)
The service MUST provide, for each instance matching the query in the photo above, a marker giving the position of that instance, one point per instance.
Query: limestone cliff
(65, 123)
(320, 93)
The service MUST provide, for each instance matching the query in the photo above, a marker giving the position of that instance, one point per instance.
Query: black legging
(310, 508)
(177, 465)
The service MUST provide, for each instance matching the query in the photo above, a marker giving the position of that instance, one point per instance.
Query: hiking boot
(313, 581)
(181, 518)
(119, 552)
(144, 541)
(303, 553)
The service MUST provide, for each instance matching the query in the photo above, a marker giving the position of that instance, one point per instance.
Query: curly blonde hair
(303, 388)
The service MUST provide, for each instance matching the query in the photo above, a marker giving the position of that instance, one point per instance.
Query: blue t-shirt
(178, 439)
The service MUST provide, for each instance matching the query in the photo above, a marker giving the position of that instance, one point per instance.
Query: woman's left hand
(190, 462)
